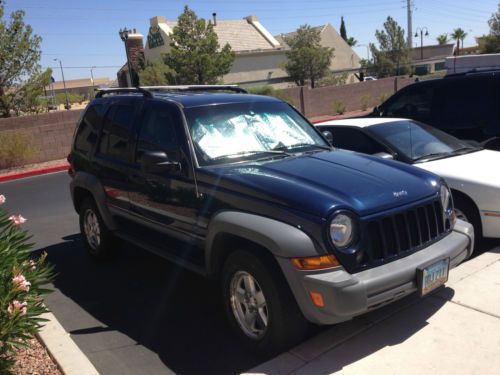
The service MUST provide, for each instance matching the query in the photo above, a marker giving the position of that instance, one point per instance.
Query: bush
(15, 148)
(339, 108)
(365, 101)
(22, 280)
(270, 91)
(72, 98)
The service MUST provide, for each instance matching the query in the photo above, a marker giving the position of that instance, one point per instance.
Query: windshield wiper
(283, 147)
(253, 152)
(433, 155)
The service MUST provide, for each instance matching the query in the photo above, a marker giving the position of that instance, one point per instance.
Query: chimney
(214, 15)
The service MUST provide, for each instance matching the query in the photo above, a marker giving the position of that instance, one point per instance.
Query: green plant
(339, 108)
(15, 148)
(72, 98)
(22, 280)
(365, 101)
(383, 97)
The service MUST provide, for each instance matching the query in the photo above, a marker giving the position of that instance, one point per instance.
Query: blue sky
(85, 33)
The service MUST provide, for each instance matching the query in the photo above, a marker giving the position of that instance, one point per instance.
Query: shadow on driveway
(172, 312)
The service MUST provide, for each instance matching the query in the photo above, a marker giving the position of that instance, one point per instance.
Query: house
(345, 60)
(429, 59)
(259, 56)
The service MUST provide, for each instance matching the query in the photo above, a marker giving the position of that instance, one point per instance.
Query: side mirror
(158, 161)
(384, 155)
(377, 111)
(328, 135)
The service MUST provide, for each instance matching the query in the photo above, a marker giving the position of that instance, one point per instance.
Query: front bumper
(347, 295)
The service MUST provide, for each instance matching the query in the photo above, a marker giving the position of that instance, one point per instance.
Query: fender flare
(90, 183)
(282, 240)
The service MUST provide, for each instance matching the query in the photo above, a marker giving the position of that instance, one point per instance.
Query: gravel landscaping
(34, 360)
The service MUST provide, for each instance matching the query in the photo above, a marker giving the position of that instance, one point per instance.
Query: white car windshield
(246, 131)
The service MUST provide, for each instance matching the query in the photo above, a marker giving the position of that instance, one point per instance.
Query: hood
(324, 182)
(479, 167)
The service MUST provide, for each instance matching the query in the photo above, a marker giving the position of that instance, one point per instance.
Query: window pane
(415, 103)
(116, 131)
(86, 136)
(354, 140)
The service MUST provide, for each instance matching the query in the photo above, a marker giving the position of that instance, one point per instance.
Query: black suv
(243, 188)
(464, 105)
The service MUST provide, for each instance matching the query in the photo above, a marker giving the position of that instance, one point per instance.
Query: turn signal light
(315, 263)
(317, 299)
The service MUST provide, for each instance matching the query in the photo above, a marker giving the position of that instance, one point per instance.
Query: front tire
(259, 304)
(97, 239)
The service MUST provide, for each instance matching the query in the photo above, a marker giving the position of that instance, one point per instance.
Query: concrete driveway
(456, 330)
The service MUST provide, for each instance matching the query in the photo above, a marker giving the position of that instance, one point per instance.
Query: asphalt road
(136, 314)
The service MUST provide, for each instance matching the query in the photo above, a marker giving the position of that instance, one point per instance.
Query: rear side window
(354, 140)
(415, 103)
(116, 131)
(87, 132)
(157, 131)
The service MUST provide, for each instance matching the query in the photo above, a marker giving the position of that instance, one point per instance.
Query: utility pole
(410, 29)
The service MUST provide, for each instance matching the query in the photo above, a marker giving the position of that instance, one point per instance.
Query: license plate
(433, 276)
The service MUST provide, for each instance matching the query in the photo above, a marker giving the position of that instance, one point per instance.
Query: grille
(407, 231)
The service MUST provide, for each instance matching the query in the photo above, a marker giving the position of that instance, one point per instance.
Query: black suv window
(414, 102)
(354, 140)
(116, 130)
(157, 131)
(88, 129)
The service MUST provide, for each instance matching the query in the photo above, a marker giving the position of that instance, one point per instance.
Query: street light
(124, 33)
(421, 29)
(67, 106)
(92, 79)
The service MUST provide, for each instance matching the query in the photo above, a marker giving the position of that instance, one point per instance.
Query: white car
(472, 173)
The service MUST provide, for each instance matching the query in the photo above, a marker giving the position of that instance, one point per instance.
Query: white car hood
(481, 167)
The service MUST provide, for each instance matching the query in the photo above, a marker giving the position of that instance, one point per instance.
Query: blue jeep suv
(244, 189)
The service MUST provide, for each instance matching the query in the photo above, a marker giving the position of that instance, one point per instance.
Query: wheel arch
(459, 195)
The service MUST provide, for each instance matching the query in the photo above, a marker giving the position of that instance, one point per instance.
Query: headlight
(342, 230)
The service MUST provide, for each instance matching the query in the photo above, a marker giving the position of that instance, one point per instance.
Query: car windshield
(418, 142)
(238, 132)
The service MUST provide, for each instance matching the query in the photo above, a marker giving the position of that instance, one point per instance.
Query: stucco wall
(261, 66)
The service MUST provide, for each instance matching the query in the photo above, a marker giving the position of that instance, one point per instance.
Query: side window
(414, 103)
(87, 132)
(116, 131)
(157, 131)
(354, 140)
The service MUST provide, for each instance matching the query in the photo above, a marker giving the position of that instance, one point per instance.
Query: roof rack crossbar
(234, 88)
(118, 90)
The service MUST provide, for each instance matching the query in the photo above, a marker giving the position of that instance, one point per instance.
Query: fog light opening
(317, 299)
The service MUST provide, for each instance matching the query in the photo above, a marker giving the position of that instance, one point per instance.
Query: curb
(33, 172)
(63, 350)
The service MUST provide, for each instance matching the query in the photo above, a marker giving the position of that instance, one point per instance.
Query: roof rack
(118, 90)
(234, 88)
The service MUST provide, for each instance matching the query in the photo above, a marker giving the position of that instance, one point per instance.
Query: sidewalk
(453, 331)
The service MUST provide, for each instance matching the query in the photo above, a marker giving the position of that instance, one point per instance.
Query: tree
(393, 55)
(491, 43)
(343, 32)
(442, 39)
(351, 41)
(155, 74)
(459, 34)
(21, 78)
(195, 55)
(307, 61)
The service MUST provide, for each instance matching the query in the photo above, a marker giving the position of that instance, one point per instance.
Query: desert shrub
(383, 97)
(270, 91)
(72, 98)
(22, 281)
(365, 101)
(15, 148)
(339, 107)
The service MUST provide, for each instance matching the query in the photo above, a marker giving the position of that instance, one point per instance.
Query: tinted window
(116, 131)
(354, 140)
(415, 102)
(467, 104)
(157, 131)
(88, 129)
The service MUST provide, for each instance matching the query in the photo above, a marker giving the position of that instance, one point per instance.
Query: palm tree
(442, 39)
(459, 34)
(351, 41)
